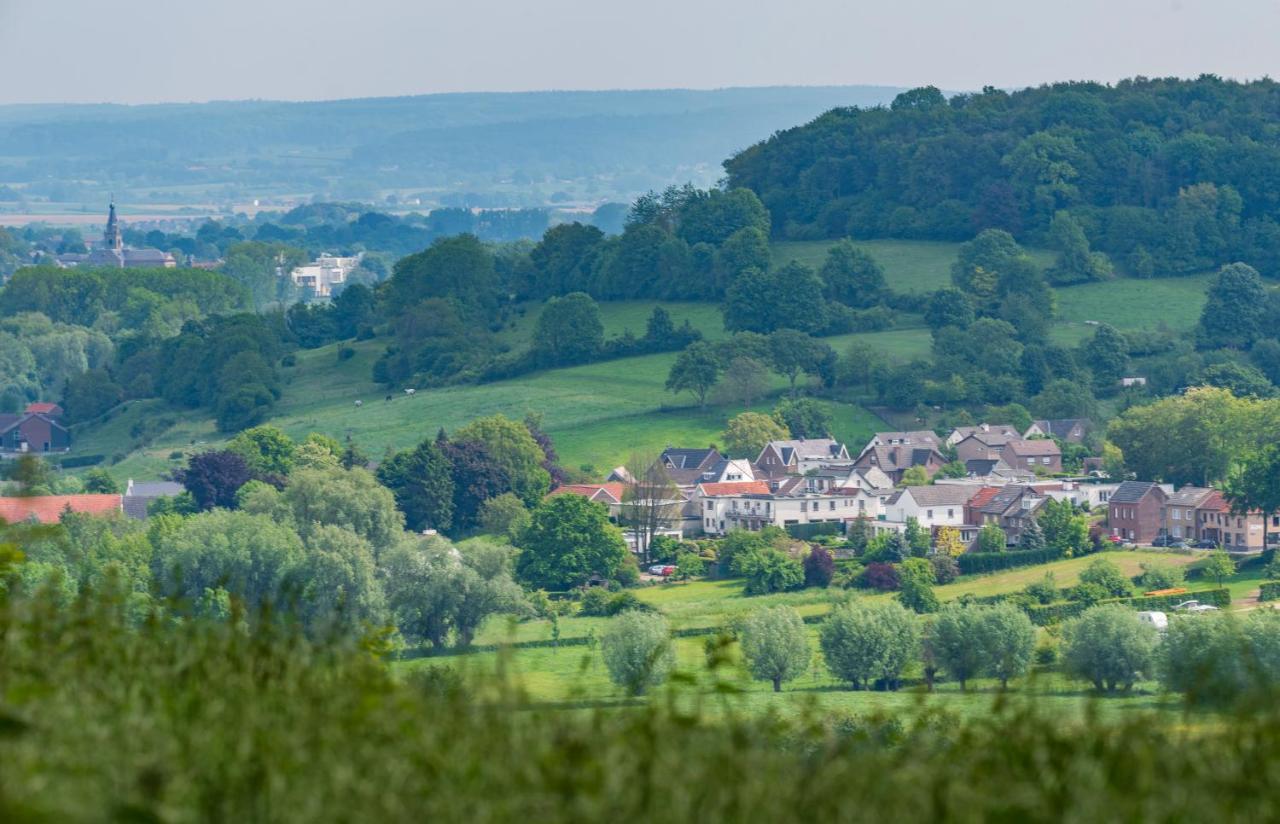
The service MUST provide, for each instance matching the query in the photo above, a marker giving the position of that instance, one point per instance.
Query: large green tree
(1233, 313)
(513, 449)
(569, 539)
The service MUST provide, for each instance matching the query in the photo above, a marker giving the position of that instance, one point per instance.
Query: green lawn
(1135, 304)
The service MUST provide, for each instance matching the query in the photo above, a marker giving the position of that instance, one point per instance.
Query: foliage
(1032, 538)
(568, 540)
(917, 538)
(819, 567)
(695, 370)
(637, 651)
(915, 585)
(1109, 647)
(945, 568)
(949, 543)
(979, 562)
(769, 570)
(421, 480)
(1159, 576)
(1066, 532)
(1218, 566)
(266, 450)
(866, 643)
(954, 639)
(881, 576)
(504, 516)
(804, 417)
(915, 476)
(775, 645)
(1007, 639)
(214, 478)
(991, 538)
(569, 331)
(1234, 312)
(514, 451)
(1106, 575)
(749, 432)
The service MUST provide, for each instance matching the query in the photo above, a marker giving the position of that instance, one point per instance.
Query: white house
(931, 506)
(324, 273)
(754, 505)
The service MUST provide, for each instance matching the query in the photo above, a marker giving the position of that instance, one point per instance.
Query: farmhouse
(139, 495)
(32, 432)
(1235, 533)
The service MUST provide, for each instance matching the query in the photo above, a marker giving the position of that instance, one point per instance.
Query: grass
(1135, 304)
(575, 673)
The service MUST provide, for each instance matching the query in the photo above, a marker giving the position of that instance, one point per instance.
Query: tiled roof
(685, 458)
(983, 496)
(1190, 496)
(993, 429)
(1130, 492)
(48, 509)
(1043, 446)
(44, 408)
(1061, 427)
(735, 488)
(1216, 502)
(941, 494)
(808, 447)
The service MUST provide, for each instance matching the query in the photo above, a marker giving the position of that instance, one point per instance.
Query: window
(1177, 514)
(928, 513)
(832, 506)
(1045, 460)
(711, 505)
(951, 513)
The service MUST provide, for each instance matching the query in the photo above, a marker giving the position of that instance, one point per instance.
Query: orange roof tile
(736, 488)
(48, 509)
(43, 408)
(983, 496)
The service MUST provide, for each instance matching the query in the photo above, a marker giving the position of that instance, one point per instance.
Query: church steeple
(113, 238)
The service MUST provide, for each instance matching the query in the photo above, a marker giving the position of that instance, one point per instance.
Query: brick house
(1234, 533)
(796, 457)
(1012, 508)
(33, 432)
(1136, 511)
(1181, 519)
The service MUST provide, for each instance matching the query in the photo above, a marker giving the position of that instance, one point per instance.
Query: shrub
(1203, 657)
(1270, 591)
(637, 651)
(819, 567)
(1109, 647)
(945, 569)
(594, 602)
(883, 577)
(1044, 591)
(865, 643)
(775, 645)
(978, 562)
(689, 564)
(915, 577)
(770, 570)
(1108, 576)
(1159, 576)
(346, 353)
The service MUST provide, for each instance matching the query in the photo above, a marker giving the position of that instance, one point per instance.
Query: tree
(851, 276)
(89, 395)
(1066, 531)
(568, 540)
(917, 538)
(422, 482)
(804, 417)
(1076, 262)
(749, 432)
(745, 380)
(1219, 566)
(1109, 647)
(1102, 573)
(949, 542)
(568, 331)
(99, 481)
(748, 302)
(423, 589)
(792, 352)
(1160, 576)
(769, 570)
(915, 577)
(1007, 639)
(1032, 538)
(1107, 354)
(955, 638)
(1062, 398)
(1243, 380)
(948, 307)
(991, 538)
(213, 478)
(341, 593)
(1233, 313)
(1255, 486)
(864, 643)
(775, 645)
(267, 451)
(637, 651)
(650, 501)
(695, 370)
(915, 476)
(504, 516)
(797, 301)
(819, 567)
(514, 452)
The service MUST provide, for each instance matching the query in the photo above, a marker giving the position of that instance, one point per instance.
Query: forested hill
(1167, 176)
(503, 149)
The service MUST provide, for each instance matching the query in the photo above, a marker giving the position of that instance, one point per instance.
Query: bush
(945, 569)
(1108, 577)
(594, 602)
(637, 651)
(883, 577)
(690, 564)
(869, 643)
(1159, 576)
(1109, 647)
(346, 353)
(915, 577)
(977, 562)
(1203, 657)
(1270, 591)
(770, 570)
(1044, 591)
(819, 567)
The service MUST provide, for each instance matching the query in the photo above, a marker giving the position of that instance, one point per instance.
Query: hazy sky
(166, 50)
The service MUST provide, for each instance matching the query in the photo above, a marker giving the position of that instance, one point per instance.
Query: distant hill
(493, 149)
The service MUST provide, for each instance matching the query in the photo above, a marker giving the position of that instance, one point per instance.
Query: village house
(893, 453)
(1180, 520)
(1234, 533)
(1135, 511)
(753, 505)
(1001, 430)
(139, 495)
(1040, 456)
(49, 509)
(1012, 508)
(32, 432)
(930, 506)
(796, 457)
(1067, 430)
(321, 275)
(982, 446)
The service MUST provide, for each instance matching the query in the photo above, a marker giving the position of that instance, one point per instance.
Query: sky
(142, 51)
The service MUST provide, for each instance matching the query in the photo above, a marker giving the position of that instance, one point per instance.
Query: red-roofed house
(973, 507)
(753, 505)
(44, 408)
(1234, 533)
(48, 509)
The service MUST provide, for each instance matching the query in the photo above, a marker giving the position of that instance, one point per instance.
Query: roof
(980, 466)
(1130, 492)
(1061, 427)
(1215, 501)
(735, 488)
(941, 495)
(686, 458)
(153, 489)
(6, 421)
(983, 496)
(1007, 498)
(900, 457)
(48, 509)
(611, 491)
(807, 448)
(1000, 429)
(1042, 446)
(1190, 496)
(990, 438)
(44, 408)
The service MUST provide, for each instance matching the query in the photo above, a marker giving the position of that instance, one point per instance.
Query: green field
(576, 672)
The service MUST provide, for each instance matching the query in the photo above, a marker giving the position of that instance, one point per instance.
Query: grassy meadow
(574, 673)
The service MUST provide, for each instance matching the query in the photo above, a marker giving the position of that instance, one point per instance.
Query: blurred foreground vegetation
(102, 718)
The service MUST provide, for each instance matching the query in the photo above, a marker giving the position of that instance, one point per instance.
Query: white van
(1156, 619)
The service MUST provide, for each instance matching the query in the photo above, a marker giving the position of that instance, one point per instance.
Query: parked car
(1195, 607)
(1161, 540)
(1205, 543)
(1115, 539)
(662, 569)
